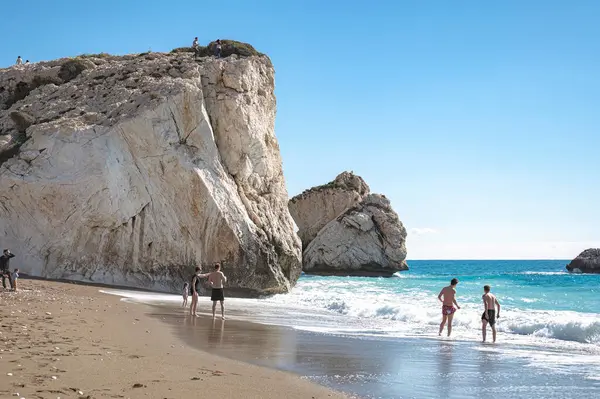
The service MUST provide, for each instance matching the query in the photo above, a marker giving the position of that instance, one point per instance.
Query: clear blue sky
(479, 120)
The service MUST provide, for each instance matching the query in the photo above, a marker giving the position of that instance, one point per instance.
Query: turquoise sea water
(539, 300)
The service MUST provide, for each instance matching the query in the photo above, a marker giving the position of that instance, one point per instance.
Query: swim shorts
(491, 316)
(217, 294)
(448, 310)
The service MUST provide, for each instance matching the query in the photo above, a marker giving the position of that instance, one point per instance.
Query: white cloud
(419, 231)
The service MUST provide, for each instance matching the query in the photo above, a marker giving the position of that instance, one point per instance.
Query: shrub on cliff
(71, 69)
(182, 50)
(99, 55)
(228, 47)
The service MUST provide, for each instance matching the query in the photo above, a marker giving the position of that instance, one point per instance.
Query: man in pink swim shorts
(448, 305)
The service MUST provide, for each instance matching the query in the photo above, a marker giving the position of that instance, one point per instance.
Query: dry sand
(60, 340)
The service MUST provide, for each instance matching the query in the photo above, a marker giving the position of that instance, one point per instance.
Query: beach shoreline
(72, 341)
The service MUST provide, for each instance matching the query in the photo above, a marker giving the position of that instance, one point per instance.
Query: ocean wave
(415, 313)
(583, 331)
(543, 273)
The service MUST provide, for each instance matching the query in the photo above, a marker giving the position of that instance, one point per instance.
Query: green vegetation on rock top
(228, 47)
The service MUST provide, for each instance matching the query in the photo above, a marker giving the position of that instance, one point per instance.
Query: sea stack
(347, 231)
(132, 170)
(586, 262)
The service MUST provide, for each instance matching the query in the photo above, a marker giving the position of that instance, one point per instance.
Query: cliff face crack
(181, 139)
(134, 162)
(96, 136)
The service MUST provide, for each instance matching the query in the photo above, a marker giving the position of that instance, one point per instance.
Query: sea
(383, 332)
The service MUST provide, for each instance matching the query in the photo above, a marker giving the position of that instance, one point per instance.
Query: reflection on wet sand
(372, 368)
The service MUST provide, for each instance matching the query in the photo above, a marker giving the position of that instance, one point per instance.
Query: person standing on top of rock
(196, 47)
(5, 267)
(19, 60)
(26, 62)
(218, 48)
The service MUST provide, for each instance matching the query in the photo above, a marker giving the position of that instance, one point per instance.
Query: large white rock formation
(347, 231)
(133, 170)
(317, 206)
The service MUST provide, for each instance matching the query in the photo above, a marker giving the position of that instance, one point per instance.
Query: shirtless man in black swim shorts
(216, 280)
(489, 312)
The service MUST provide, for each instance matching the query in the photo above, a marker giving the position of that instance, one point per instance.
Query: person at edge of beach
(195, 288)
(489, 312)
(186, 292)
(19, 60)
(216, 280)
(5, 267)
(448, 303)
(15, 277)
(218, 48)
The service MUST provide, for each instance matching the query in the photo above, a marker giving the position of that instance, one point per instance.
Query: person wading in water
(448, 303)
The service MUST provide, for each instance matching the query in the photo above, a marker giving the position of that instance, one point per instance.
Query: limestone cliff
(132, 170)
(586, 262)
(316, 207)
(347, 231)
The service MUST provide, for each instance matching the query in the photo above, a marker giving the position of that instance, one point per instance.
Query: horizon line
(473, 259)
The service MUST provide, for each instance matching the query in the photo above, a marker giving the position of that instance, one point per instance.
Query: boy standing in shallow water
(448, 303)
(489, 312)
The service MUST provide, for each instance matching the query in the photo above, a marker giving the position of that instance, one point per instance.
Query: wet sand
(382, 368)
(70, 341)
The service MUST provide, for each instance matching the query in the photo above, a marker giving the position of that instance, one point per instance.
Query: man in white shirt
(19, 60)
(216, 280)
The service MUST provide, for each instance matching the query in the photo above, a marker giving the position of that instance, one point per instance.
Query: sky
(480, 121)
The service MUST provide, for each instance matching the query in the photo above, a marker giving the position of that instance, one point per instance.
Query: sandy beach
(61, 340)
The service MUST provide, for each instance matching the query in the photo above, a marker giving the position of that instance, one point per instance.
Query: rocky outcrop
(316, 207)
(133, 170)
(347, 231)
(586, 262)
(367, 240)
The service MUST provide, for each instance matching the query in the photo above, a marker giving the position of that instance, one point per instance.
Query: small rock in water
(53, 377)
(49, 314)
(9, 374)
(79, 393)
